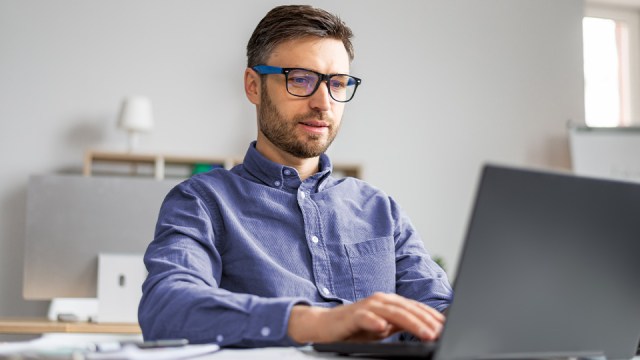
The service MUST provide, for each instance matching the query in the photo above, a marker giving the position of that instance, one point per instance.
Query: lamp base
(133, 140)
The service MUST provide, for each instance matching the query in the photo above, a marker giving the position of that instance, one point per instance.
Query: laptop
(550, 268)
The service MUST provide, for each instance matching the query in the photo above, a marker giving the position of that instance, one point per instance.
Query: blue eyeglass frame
(269, 70)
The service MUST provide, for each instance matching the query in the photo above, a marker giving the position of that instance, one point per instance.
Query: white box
(120, 278)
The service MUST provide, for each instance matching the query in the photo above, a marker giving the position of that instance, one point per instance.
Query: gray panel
(551, 266)
(606, 152)
(70, 219)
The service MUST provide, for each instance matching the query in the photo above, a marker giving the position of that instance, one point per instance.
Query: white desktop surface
(59, 343)
(45, 349)
(62, 341)
(274, 353)
(285, 353)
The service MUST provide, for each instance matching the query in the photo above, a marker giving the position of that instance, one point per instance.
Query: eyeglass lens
(303, 83)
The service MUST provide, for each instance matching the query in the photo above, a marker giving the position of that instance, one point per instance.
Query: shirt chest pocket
(373, 266)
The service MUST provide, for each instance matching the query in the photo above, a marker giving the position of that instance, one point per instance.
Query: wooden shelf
(159, 165)
(41, 326)
(344, 170)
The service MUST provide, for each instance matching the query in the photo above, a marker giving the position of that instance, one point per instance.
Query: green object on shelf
(440, 261)
(201, 168)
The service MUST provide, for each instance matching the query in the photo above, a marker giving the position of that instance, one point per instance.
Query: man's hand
(373, 318)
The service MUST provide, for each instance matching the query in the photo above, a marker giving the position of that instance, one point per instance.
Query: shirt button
(276, 183)
(326, 291)
(265, 331)
(314, 239)
(287, 172)
(302, 195)
(219, 338)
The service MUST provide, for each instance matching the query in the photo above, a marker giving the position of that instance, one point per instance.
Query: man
(276, 251)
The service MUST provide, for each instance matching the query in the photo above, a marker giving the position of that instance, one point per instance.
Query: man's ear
(252, 86)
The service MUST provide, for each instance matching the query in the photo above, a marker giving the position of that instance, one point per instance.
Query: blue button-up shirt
(235, 250)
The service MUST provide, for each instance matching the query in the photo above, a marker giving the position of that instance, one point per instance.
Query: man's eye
(337, 84)
(299, 81)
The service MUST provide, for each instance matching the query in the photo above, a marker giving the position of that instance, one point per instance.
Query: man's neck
(305, 167)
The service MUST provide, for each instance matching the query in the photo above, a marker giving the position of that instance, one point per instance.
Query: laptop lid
(550, 267)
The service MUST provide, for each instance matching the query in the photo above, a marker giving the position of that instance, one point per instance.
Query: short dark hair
(290, 22)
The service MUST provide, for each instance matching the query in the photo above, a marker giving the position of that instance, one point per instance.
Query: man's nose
(321, 100)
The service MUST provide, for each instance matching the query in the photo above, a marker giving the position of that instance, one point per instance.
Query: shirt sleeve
(181, 295)
(418, 277)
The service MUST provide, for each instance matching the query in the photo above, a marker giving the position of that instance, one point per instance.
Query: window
(604, 72)
(609, 71)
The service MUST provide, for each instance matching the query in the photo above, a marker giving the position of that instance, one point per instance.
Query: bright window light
(605, 72)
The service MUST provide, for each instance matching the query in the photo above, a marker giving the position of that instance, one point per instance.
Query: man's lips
(315, 123)
(313, 126)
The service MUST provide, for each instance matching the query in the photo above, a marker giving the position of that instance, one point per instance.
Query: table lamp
(135, 117)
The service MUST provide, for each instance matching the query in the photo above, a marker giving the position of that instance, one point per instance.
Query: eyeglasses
(304, 82)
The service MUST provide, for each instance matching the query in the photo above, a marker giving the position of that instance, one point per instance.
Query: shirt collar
(278, 175)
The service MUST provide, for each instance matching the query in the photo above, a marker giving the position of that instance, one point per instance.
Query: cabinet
(161, 166)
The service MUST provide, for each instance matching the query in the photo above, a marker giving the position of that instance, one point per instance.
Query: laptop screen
(550, 266)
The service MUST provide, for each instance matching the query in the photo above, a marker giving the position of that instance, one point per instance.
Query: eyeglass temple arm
(266, 69)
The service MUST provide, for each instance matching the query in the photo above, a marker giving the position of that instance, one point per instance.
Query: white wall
(447, 86)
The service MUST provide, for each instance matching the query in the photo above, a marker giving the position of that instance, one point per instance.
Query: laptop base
(390, 350)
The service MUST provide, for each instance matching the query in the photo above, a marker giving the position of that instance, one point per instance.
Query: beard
(282, 131)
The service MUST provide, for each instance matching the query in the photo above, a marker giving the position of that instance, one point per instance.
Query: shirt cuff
(269, 322)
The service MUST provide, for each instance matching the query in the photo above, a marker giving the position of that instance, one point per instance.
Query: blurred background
(448, 85)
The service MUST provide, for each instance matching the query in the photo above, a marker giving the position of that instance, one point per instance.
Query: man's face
(302, 127)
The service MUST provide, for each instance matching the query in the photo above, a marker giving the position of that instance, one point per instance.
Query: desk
(42, 326)
(273, 354)
(287, 353)
(33, 351)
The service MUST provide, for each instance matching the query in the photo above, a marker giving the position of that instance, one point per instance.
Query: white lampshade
(135, 117)
(135, 114)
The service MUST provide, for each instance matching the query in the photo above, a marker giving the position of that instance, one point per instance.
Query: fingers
(431, 317)
(435, 313)
(373, 318)
(421, 320)
(369, 321)
(370, 326)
